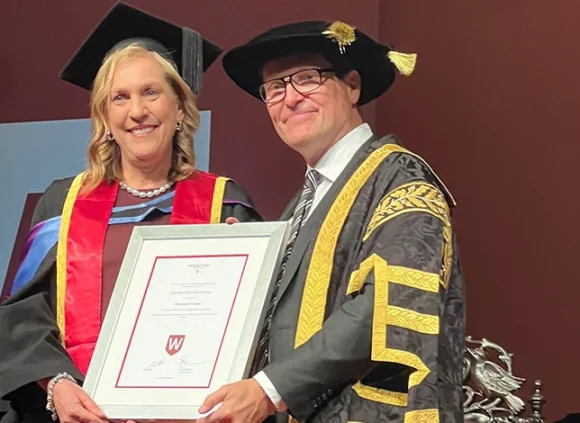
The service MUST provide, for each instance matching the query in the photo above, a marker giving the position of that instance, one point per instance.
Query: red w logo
(174, 344)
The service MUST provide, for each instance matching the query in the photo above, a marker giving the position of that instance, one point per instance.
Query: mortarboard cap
(123, 25)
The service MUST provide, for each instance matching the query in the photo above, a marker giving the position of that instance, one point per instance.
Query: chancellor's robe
(369, 323)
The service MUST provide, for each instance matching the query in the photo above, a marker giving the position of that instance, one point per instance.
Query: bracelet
(49, 402)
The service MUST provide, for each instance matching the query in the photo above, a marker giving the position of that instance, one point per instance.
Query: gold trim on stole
(61, 253)
(218, 198)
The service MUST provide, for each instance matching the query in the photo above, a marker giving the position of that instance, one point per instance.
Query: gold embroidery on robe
(317, 281)
(409, 198)
(422, 416)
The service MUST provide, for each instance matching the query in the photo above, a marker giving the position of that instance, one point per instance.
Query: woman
(140, 172)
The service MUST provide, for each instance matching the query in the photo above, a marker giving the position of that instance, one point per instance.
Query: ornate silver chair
(489, 387)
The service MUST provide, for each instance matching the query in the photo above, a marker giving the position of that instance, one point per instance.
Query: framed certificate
(184, 317)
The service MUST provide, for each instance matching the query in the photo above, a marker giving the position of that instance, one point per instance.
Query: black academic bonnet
(124, 25)
(344, 46)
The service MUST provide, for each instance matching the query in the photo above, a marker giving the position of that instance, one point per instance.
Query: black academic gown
(30, 349)
(370, 321)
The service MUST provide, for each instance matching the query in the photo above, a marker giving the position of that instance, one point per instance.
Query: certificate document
(191, 300)
(184, 318)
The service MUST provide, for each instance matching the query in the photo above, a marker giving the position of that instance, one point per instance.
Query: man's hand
(241, 402)
(73, 404)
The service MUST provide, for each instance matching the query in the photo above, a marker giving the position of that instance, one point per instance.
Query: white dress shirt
(330, 166)
(335, 160)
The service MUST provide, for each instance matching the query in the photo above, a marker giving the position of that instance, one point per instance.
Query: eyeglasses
(303, 81)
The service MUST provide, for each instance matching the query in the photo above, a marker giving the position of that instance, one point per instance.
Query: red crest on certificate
(174, 344)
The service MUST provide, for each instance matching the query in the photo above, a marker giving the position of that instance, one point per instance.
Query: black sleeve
(30, 344)
(238, 203)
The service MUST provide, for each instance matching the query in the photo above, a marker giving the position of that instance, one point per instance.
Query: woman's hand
(73, 404)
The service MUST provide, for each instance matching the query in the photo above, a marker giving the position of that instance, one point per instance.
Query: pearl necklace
(146, 194)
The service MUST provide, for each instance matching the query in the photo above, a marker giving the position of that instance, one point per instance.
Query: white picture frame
(143, 310)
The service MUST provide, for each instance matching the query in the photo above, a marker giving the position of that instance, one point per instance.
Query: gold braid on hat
(344, 35)
(341, 33)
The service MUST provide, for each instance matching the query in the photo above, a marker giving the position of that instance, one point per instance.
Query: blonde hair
(104, 156)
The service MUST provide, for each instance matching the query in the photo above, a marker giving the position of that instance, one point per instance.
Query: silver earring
(109, 136)
(179, 126)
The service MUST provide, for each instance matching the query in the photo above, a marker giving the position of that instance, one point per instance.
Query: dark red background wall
(494, 107)
(491, 106)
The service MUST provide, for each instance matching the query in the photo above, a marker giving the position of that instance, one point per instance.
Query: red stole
(85, 219)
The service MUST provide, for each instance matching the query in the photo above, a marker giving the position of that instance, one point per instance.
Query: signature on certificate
(155, 364)
(181, 363)
(184, 365)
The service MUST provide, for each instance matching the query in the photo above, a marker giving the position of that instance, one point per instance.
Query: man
(367, 322)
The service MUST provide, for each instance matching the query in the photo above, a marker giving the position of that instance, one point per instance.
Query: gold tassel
(404, 62)
(341, 33)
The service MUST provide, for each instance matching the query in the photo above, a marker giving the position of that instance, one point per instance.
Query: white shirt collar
(339, 155)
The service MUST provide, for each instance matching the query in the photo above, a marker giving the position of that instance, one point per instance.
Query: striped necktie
(301, 211)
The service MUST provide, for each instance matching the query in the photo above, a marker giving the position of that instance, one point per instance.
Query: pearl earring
(179, 126)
